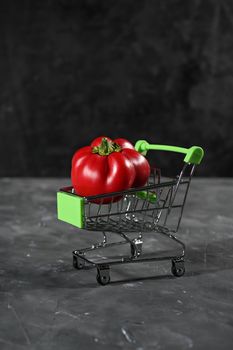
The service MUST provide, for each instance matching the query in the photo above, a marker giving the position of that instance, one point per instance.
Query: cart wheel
(75, 262)
(103, 280)
(103, 276)
(78, 263)
(178, 268)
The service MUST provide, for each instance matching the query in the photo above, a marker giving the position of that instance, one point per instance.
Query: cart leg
(136, 248)
(178, 268)
(78, 262)
(103, 274)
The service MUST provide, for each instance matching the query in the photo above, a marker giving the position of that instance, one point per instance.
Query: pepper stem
(106, 147)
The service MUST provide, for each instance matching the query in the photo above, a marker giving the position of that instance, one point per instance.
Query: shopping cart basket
(156, 207)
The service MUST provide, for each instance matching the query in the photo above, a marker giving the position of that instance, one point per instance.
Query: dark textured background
(72, 70)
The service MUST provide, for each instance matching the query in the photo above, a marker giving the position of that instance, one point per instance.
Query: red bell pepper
(108, 166)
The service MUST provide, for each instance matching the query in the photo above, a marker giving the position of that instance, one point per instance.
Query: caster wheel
(78, 263)
(103, 280)
(178, 268)
(75, 262)
(103, 275)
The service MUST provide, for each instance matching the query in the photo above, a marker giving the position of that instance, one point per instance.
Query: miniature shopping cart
(156, 208)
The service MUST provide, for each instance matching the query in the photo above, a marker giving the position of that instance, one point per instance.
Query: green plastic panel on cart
(70, 208)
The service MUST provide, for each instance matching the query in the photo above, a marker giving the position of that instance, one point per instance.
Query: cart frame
(139, 210)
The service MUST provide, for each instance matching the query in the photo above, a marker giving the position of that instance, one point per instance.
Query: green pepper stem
(106, 147)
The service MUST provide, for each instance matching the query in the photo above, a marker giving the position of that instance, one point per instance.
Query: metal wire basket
(156, 207)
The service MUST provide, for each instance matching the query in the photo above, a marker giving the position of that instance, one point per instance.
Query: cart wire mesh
(158, 206)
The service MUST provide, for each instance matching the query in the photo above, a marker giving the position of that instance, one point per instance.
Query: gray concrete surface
(46, 304)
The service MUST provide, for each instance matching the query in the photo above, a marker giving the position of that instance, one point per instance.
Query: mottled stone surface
(46, 304)
(141, 69)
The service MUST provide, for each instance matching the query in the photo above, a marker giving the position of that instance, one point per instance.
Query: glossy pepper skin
(107, 166)
(140, 163)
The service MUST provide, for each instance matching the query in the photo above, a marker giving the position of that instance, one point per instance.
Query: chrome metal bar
(168, 234)
(185, 196)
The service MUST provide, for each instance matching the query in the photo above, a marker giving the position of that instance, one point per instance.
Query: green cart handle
(193, 155)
